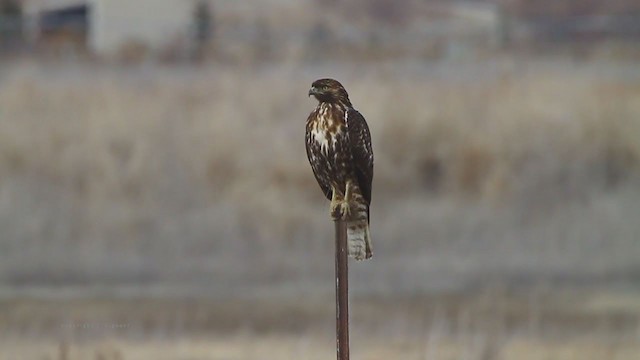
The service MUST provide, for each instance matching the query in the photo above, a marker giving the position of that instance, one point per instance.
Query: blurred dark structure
(203, 28)
(203, 22)
(439, 30)
(582, 21)
(104, 28)
(11, 26)
(64, 29)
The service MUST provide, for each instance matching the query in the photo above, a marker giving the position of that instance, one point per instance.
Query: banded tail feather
(359, 239)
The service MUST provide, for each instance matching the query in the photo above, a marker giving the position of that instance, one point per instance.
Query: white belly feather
(319, 133)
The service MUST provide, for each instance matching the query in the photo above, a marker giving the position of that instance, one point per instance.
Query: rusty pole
(342, 291)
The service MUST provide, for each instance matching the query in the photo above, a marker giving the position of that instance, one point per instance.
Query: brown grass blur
(154, 182)
(158, 173)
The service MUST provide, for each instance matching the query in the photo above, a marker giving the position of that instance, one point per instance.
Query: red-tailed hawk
(339, 150)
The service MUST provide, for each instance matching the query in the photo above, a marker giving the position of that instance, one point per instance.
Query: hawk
(338, 146)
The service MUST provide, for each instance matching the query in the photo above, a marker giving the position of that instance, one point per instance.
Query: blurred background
(156, 201)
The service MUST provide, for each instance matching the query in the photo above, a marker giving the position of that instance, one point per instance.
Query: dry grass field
(168, 212)
(150, 174)
(489, 324)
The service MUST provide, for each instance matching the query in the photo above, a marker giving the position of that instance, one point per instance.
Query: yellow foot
(335, 211)
(345, 209)
(340, 210)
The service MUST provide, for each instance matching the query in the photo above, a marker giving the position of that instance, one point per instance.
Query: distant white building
(105, 26)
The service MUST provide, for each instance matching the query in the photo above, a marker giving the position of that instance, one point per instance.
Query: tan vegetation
(247, 347)
(152, 182)
(491, 324)
(146, 168)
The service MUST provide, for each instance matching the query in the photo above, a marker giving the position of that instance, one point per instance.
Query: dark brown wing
(361, 151)
(313, 152)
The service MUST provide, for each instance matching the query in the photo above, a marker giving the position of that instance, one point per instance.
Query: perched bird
(339, 150)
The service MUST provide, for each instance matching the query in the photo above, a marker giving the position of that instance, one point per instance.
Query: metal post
(342, 291)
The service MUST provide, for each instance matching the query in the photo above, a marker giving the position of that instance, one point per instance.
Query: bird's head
(329, 90)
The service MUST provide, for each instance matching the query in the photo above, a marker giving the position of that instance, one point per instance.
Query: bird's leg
(335, 209)
(341, 203)
(345, 205)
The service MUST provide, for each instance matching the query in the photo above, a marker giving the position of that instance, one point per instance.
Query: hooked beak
(313, 91)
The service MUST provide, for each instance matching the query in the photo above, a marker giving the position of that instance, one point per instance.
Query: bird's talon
(340, 210)
(345, 210)
(335, 211)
